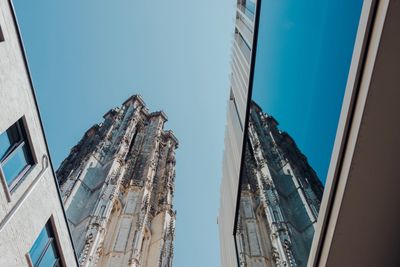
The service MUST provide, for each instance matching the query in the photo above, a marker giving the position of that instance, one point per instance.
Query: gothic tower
(117, 186)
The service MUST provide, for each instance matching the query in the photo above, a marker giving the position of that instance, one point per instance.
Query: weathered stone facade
(118, 185)
(280, 197)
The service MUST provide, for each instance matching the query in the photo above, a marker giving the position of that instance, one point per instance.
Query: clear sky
(303, 57)
(89, 56)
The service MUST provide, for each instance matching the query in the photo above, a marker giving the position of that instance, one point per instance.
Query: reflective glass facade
(298, 82)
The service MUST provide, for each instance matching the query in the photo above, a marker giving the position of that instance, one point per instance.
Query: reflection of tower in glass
(280, 197)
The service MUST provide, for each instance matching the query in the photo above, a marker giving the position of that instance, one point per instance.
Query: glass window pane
(4, 144)
(248, 8)
(15, 164)
(244, 47)
(304, 51)
(39, 246)
(50, 257)
(8, 138)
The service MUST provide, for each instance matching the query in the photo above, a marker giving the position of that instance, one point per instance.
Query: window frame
(242, 44)
(53, 240)
(25, 140)
(246, 10)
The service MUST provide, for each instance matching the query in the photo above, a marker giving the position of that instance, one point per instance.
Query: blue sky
(89, 56)
(303, 57)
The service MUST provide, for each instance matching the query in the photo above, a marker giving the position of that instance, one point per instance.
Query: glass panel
(245, 23)
(304, 51)
(16, 163)
(249, 8)
(44, 252)
(50, 257)
(39, 246)
(244, 47)
(7, 139)
(4, 144)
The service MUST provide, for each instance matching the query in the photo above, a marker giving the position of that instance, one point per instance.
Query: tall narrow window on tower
(297, 89)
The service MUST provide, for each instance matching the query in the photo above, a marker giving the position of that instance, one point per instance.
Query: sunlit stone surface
(117, 186)
(280, 198)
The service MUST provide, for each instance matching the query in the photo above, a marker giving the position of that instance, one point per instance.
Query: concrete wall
(35, 200)
(360, 223)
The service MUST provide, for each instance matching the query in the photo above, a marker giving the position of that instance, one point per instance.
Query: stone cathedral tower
(117, 186)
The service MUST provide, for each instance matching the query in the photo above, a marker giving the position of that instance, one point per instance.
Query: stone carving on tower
(279, 199)
(117, 186)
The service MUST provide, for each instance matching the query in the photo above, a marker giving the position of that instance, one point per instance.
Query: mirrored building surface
(280, 196)
(324, 70)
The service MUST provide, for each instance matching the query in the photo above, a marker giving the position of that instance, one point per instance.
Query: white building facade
(33, 226)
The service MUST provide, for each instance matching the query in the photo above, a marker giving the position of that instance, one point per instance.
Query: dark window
(15, 154)
(44, 252)
(1, 35)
